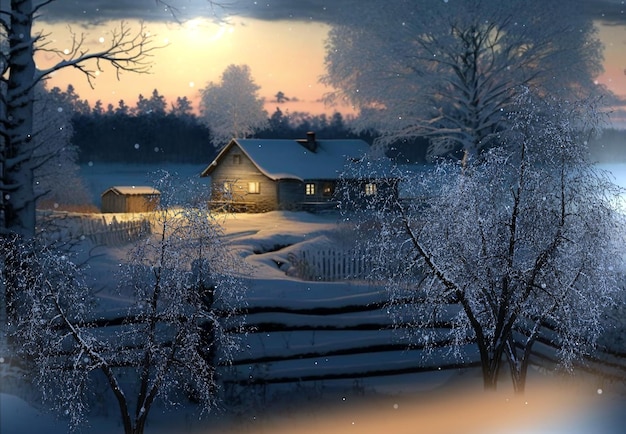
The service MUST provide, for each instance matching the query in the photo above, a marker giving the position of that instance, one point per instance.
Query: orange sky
(283, 56)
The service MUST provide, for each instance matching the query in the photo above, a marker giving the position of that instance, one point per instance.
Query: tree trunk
(17, 201)
(17, 176)
(490, 376)
(490, 367)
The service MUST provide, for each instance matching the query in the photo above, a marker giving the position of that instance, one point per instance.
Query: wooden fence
(115, 233)
(352, 342)
(329, 341)
(331, 264)
(101, 230)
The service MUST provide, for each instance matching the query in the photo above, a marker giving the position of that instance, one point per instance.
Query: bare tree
(524, 243)
(449, 70)
(127, 51)
(232, 108)
(184, 293)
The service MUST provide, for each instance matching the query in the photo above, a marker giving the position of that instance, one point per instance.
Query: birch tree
(524, 243)
(184, 293)
(127, 51)
(448, 70)
(232, 107)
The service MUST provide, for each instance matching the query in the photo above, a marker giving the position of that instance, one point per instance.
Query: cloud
(97, 11)
(610, 12)
(94, 11)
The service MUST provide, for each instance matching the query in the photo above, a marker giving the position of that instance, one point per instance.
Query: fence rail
(332, 340)
(328, 344)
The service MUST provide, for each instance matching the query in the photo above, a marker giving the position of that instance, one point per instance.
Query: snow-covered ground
(437, 402)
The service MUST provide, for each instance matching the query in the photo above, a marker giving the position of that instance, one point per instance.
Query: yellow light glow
(437, 412)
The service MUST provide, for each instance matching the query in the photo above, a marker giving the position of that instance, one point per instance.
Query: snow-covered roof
(290, 159)
(132, 190)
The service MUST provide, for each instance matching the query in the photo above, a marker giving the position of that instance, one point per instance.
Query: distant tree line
(153, 132)
(149, 132)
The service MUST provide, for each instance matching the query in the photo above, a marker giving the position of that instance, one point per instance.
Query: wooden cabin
(127, 199)
(258, 175)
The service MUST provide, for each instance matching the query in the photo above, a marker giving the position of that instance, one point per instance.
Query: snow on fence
(350, 339)
(101, 230)
(331, 264)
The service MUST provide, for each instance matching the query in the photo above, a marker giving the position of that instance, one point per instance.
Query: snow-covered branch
(525, 232)
(451, 71)
(173, 337)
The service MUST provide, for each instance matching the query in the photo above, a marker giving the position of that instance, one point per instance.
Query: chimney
(310, 143)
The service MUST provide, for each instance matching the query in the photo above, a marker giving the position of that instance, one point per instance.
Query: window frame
(328, 189)
(371, 189)
(309, 189)
(254, 187)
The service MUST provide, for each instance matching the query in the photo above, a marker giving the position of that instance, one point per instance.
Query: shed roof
(132, 190)
(289, 159)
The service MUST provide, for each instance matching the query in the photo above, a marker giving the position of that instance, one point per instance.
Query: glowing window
(370, 189)
(310, 189)
(328, 189)
(254, 187)
(228, 187)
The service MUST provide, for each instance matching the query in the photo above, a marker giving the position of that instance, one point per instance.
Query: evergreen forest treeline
(140, 138)
(151, 132)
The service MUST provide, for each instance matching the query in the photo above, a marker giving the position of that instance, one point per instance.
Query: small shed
(130, 199)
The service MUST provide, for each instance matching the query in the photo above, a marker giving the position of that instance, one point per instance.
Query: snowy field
(439, 402)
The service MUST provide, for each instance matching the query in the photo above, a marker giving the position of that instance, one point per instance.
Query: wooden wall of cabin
(250, 190)
(113, 202)
(141, 203)
(292, 195)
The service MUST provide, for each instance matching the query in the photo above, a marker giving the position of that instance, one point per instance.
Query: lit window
(310, 189)
(236, 159)
(370, 189)
(228, 187)
(327, 189)
(254, 187)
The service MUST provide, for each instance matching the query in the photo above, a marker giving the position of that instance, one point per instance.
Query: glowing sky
(614, 40)
(283, 56)
(284, 51)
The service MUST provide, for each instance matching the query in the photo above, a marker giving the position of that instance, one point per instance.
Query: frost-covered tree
(448, 70)
(524, 243)
(56, 173)
(184, 293)
(125, 51)
(232, 107)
